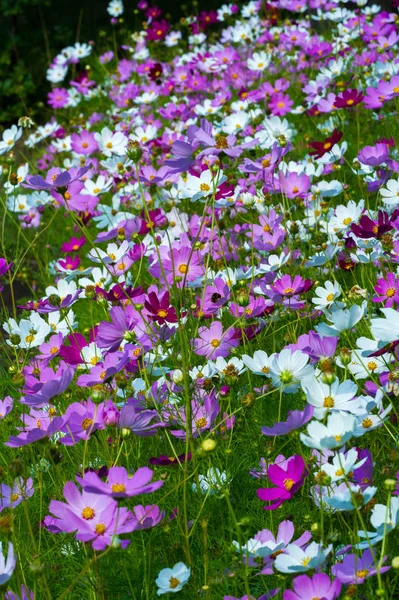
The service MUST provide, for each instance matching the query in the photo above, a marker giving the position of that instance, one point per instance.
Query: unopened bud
(208, 445)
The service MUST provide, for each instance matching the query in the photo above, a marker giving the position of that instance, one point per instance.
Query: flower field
(199, 310)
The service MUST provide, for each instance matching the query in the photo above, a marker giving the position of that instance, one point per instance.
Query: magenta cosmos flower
(310, 588)
(387, 290)
(288, 480)
(213, 342)
(294, 185)
(119, 484)
(286, 286)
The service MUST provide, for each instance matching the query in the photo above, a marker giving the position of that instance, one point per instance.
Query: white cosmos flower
(338, 430)
(113, 254)
(337, 396)
(115, 8)
(341, 320)
(386, 330)
(259, 61)
(298, 560)
(94, 188)
(260, 363)
(111, 143)
(390, 193)
(288, 368)
(172, 580)
(342, 464)
(326, 296)
(235, 122)
(32, 331)
(10, 136)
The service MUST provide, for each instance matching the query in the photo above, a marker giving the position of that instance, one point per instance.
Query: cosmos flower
(288, 480)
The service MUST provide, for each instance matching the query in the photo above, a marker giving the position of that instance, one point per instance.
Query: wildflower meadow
(199, 252)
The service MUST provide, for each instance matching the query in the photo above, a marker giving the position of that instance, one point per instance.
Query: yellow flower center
(204, 187)
(327, 145)
(289, 290)
(328, 402)
(29, 338)
(330, 297)
(201, 422)
(367, 423)
(88, 513)
(215, 343)
(173, 583)
(162, 313)
(100, 528)
(347, 221)
(390, 292)
(183, 268)
(14, 497)
(86, 423)
(371, 365)
(288, 483)
(362, 573)
(109, 145)
(118, 488)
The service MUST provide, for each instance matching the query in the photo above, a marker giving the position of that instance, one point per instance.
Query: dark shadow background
(32, 32)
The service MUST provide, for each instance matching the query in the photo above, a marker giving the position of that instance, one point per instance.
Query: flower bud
(395, 562)
(177, 376)
(390, 485)
(328, 377)
(208, 445)
(134, 151)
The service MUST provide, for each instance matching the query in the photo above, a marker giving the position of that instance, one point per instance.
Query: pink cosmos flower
(58, 98)
(94, 517)
(288, 476)
(387, 290)
(84, 143)
(294, 185)
(213, 342)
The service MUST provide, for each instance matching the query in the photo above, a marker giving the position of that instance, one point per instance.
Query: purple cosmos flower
(48, 307)
(51, 384)
(202, 416)
(103, 371)
(373, 155)
(119, 484)
(147, 516)
(124, 320)
(37, 426)
(355, 569)
(6, 406)
(25, 594)
(81, 419)
(296, 419)
(315, 346)
(55, 179)
(387, 290)
(11, 497)
(213, 342)
(310, 588)
(363, 475)
(169, 460)
(288, 480)
(267, 596)
(95, 517)
(139, 422)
